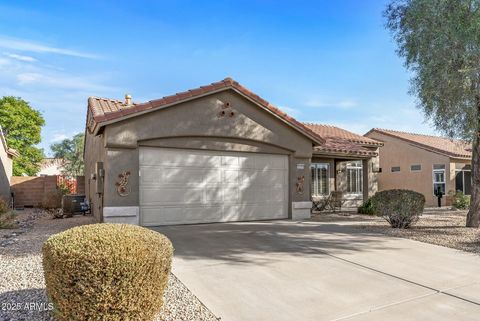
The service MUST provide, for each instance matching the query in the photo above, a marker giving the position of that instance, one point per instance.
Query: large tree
(22, 127)
(71, 151)
(440, 43)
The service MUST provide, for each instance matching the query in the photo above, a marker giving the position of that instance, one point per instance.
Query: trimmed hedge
(107, 272)
(399, 207)
(366, 208)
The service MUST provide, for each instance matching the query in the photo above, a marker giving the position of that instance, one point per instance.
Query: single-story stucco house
(51, 166)
(216, 153)
(6, 166)
(424, 164)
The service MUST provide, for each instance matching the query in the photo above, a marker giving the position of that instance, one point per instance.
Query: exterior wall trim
(121, 214)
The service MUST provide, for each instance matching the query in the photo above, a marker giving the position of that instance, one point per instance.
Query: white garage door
(179, 186)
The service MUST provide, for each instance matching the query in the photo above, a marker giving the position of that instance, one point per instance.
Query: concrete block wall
(31, 190)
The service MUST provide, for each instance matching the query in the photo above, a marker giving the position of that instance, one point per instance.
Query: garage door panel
(231, 176)
(170, 215)
(151, 175)
(231, 194)
(172, 195)
(214, 195)
(252, 212)
(277, 194)
(190, 186)
(238, 161)
(178, 157)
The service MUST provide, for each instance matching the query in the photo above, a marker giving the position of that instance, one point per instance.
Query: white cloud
(344, 103)
(58, 137)
(290, 111)
(31, 46)
(21, 57)
(27, 78)
(48, 79)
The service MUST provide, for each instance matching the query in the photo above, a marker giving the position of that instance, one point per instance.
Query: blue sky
(320, 61)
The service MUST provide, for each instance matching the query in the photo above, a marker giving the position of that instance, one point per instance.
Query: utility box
(71, 204)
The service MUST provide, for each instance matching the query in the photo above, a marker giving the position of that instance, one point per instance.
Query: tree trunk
(474, 212)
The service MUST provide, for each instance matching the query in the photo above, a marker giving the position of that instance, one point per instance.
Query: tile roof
(105, 110)
(341, 141)
(442, 145)
(342, 147)
(329, 131)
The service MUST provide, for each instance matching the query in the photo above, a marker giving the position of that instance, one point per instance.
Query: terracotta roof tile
(329, 131)
(442, 145)
(344, 147)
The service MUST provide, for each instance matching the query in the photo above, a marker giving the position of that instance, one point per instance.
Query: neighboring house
(51, 166)
(423, 163)
(214, 154)
(6, 166)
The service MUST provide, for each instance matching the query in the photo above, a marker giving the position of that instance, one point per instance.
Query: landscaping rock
(23, 287)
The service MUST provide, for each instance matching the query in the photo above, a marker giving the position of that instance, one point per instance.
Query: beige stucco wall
(196, 124)
(52, 169)
(6, 167)
(397, 152)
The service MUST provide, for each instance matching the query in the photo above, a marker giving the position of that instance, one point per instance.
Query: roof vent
(128, 100)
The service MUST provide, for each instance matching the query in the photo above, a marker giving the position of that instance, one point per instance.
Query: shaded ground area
(22, 281)
(288, 270)
(436, 226)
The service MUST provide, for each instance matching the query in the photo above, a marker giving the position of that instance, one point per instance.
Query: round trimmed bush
(399, 207)
(107, 272)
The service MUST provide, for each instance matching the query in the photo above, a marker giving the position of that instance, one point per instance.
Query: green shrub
(461, 201)
(399, 207)
(7, 220)
(4, 206)
(366, 208)
(107, 272)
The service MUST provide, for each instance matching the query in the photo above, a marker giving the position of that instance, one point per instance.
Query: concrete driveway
(284, 270)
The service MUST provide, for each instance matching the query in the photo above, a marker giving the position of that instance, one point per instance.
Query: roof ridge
(415, 134)
(105, 98)
(319, 124)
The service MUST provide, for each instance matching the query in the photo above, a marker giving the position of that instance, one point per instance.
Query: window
(438, 179)
(415, 168)
(395, 169)
(354, 177)
(320, 178)
(463, 181)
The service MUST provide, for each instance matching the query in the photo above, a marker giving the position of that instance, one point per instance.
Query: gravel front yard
(22, 280)
(441, 227)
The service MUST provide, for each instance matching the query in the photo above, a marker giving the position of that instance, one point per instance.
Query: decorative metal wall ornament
(226, 110)
(122, 188)
(300, 184)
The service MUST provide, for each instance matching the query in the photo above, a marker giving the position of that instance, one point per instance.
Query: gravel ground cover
(436, 226)
(22, 287)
